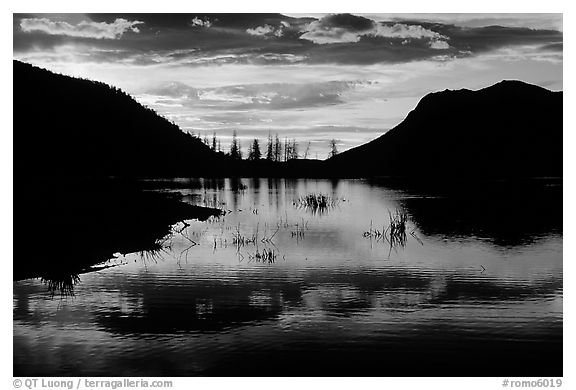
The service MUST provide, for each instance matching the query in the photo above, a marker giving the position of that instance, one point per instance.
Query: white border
(293, 6)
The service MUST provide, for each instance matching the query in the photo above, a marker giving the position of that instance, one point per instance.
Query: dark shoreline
(75, 223)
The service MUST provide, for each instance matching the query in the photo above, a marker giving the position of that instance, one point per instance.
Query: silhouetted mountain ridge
(68, 126)
(510, 129)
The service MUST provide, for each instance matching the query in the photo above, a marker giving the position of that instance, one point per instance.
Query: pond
(304, 277)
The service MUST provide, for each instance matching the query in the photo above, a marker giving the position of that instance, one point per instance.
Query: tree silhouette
(333, 147)
(270, 148)
(254, 151)
(293, 150)
(235, 151)
(277, 149)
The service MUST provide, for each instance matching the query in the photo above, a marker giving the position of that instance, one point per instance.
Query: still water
(277, 288)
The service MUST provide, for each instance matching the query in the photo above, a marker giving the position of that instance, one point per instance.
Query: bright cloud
(267, 30)
(341, 28)
(84, 29)
(201, 22)
(401, 30)
(325, 35)
(438, 44)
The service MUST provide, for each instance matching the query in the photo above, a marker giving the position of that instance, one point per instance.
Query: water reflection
(334, 303)
(506, 214)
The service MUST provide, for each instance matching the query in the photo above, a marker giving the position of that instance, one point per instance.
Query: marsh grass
(396, 233)
(316, 203)
(397, 228)
(153, 254)
(267, 255)
(299, 230)
(62, 284)
(240, 240)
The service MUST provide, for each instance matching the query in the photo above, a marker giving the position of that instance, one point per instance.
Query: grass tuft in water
(265, 256)
(397, 228)
(317, 203)
(62, 284)
(396, 232)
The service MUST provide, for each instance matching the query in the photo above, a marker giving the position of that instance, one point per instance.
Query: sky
(308, 77)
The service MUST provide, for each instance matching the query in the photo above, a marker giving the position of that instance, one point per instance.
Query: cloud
(201, 22)
(401, 30)
(559, 47)
(548, 53)
(341, 28)
(279, 96)
(528, 20)
(346, 21)
(268, 31)
(84, 29)
(322, 35)
(346, 28)
(411, 31)
(264, 96)
(261, 39)
(439, 45)
(548, 21)
(265, 30)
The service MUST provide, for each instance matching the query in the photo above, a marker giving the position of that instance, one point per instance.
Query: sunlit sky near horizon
(309, 77)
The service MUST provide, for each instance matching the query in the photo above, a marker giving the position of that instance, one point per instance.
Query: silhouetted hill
(511, 129)
(69, 135)
(69, 126)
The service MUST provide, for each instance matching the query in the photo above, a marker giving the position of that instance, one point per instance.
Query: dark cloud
(200, 39)
(272, 96)
(493, 37)
(553, 47)
(178, 21)
(347, 21)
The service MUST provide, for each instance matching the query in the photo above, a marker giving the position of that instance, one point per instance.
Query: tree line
(276, 150)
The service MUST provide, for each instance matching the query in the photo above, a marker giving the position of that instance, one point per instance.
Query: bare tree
(307, 150)
(333, 147)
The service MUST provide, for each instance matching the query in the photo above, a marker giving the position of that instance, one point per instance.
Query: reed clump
(396, 231)
(265, 256)
(63, 284)
(239, 240)
(397, 228)
(299, 230)
(317, 203)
